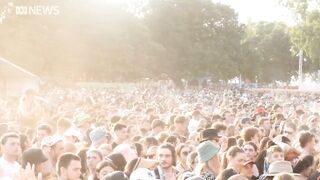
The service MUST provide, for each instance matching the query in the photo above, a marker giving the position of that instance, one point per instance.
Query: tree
(200, 38)
(305, 35)
(266, 52)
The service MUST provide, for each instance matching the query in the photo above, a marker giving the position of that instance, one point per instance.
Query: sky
(259, 10)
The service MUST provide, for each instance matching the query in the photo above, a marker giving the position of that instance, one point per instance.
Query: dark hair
(179, 119)
(83, 156)
(23, 140)
(251, 144)
(219, 127)
(6, 136)
(118, 127)
(136, 138)
(304, 138)
(101, 165)
(180, 147)
(150, 141)
(172, 139)
(263, 143)
(303, 164)
(232, 141)
(215, 117)
(96, 152)
(249, 133)
(45, 127)
(226, 174)
(130, 166)
(118, 175)
(118, 160)
(233, 151)
(65, 159)
(172, 150)
(139, 148)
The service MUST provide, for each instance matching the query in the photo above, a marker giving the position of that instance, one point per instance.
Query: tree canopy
(104, 40)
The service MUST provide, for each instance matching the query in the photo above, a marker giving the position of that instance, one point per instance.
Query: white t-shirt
(193, 126)
(8, 169)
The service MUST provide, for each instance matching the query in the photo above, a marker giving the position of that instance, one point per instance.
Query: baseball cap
(51, 140)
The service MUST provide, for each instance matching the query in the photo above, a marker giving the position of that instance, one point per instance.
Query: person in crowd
(35, 157)
(167, 159)
(209, 135)
(119, 161)
(69, 167)
(208, 161)
(304, 166)
(182, 151)
(289, 130)
(53, 147)
(307, 143)
(93, 158)
(192, 133)
(274, 153)
(43, 130)
(157, 126)
(251, 151)
(264, 124)
(10, 152)
(181, 126)
(63, 124)
(98, 136)
(121, 135)
(251, 134)
(235, 158)
(103, 168)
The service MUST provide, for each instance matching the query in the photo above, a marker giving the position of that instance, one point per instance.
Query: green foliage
(266, 52)
(180, 38)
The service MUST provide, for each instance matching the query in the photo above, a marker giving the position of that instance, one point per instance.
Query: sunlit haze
(259, 10)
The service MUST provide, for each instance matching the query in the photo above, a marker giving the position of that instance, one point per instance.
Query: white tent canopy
(14, 80)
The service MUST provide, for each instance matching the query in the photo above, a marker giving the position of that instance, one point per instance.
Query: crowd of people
(159, 132)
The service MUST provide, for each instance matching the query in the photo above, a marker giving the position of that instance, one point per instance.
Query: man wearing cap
(209, 165)
(53, 147)
(81, 123)
(98, 136)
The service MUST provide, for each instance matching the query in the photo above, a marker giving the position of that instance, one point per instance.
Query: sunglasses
(185, 153)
